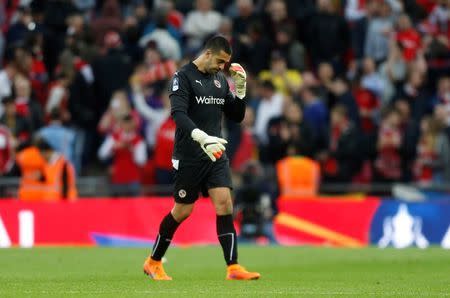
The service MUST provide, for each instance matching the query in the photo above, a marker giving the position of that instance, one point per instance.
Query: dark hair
(8, 99)
(267, 84)
(218, 43)
(315, 91)
(340, 109)
(127, 117)
(42, 145)
(389, 110)
(342, 79)
(55, 114)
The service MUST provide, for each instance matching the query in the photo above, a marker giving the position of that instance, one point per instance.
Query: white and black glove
(213, 146)
(239, 77)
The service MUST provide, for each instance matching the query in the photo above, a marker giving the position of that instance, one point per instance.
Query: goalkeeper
(199, 95)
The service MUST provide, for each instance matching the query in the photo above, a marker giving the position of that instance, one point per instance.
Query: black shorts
(193, 178)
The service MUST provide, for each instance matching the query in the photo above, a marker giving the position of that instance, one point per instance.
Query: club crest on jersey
(217, 83)
(175, 84)
(182, 193)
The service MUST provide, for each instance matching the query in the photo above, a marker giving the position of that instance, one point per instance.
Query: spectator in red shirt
(174, 17)
(432, 163)
(427, 5)
(128, 152)
(407, 37)
(388, 166)
(58, 97)
(38, 72)
(6, 150)
(368, 105)
(157, 69)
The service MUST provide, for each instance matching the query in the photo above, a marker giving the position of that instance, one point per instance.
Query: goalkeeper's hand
(212, 146)
(240, 79)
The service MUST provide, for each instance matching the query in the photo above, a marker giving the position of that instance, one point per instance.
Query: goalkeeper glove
(212, 146)
(240, 79)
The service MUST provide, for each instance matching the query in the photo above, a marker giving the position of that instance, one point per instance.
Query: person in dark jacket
(340, 159)
(111, 71)
(253, 48)
(289, 134)
(83, 109)
(415, 94)
(342, 95)
(328, 35)
(359, 29)
(19, 126)
(109, 20)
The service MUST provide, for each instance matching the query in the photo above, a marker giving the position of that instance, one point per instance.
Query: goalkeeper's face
(215, 62)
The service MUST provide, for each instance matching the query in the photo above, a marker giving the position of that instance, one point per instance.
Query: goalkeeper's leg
(226, 233)
(153, 266)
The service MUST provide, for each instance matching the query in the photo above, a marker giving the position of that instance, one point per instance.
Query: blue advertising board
(401, 224)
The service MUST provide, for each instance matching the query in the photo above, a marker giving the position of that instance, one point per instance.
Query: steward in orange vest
(31, 164)
(57, 179)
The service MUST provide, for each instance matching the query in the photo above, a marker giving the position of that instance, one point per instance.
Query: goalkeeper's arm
(235, 106)
(183, 121)
(212, 146)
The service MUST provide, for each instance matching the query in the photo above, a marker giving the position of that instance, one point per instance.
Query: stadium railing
(98, 186)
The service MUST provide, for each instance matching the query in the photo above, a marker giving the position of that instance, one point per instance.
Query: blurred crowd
(360, 86)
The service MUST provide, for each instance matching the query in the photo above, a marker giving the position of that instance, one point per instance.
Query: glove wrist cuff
(198, 135)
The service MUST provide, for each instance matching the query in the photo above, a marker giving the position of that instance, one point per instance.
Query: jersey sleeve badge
(175, 84)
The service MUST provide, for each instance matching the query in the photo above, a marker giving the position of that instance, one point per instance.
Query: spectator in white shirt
(7, 75)
(200, 23)
(271, 106)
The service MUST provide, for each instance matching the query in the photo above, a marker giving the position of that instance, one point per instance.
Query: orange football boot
(155, 270)
(237, 272)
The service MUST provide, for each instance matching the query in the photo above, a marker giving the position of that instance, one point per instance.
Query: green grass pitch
(200, 271)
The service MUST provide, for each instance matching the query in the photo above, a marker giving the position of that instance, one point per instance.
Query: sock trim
(232, 246)
(232, 243)
(156, 245)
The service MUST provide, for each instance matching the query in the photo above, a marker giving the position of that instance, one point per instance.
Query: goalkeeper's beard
(211, 70)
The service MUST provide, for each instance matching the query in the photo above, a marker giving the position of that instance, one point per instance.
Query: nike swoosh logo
(200, 82)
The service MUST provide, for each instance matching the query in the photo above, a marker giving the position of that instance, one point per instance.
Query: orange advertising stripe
(308, 227)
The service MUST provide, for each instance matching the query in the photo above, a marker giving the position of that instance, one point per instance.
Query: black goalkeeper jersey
(198, 100)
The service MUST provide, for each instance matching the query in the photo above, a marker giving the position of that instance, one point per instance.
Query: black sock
(227, 238)
(167, 228)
